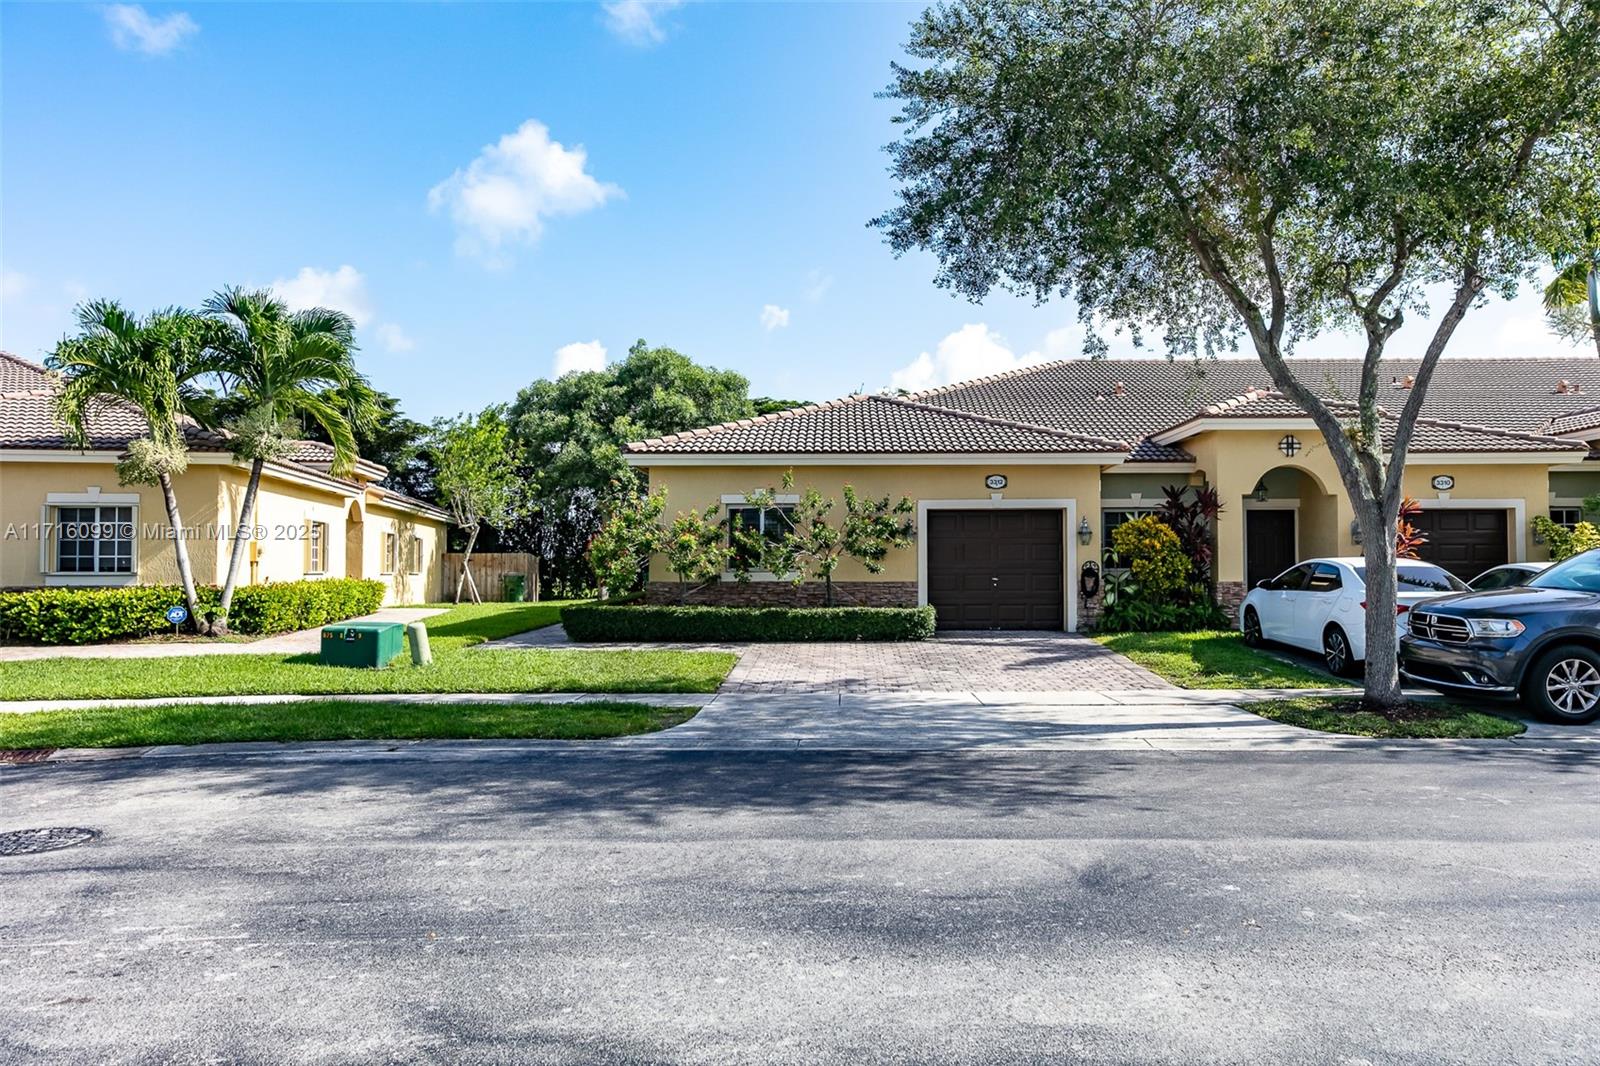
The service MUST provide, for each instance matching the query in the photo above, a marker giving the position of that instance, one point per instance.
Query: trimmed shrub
(84, 616)
(596, 622)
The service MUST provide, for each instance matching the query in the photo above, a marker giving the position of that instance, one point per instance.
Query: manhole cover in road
(50, 838)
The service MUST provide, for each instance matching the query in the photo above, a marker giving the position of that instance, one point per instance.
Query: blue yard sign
(177, 615)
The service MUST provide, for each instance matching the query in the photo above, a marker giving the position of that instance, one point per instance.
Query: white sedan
(1320, 605)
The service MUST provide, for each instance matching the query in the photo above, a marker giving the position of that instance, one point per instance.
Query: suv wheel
(1565, 685)
(1252, 628)
(1336, 652)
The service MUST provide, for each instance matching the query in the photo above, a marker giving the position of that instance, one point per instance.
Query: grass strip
(302, 720)
(1419, 720)
(1214, 659)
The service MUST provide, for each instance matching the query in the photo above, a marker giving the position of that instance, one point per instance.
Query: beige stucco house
(66, 521)
(1018, 478)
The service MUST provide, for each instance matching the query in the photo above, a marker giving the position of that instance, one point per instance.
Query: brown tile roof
(27, 415)
(1430, 435)
(1128, 400)
(877, 424)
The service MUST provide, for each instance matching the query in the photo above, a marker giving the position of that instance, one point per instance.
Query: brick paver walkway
(950, 662)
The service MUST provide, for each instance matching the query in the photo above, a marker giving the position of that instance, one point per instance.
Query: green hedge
(594, 622)
(84, 616)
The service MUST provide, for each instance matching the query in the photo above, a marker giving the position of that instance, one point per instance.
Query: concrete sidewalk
(1173, 720)
(300, 642)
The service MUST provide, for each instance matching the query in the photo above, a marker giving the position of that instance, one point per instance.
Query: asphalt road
(1322, 907)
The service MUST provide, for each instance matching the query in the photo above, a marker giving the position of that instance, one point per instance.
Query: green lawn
(456, 668)
(1342, 714)
(201, 723)
(1214, 659)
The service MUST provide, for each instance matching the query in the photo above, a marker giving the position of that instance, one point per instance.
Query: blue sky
(485, 186)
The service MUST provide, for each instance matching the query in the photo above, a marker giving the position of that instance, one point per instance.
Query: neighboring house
(66, 521)
(1019, 478)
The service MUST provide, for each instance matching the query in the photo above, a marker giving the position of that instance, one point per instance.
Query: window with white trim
(317, 548)
(391, 545)
(94, 540)
(770, 523)
(1566, 517)
(415, 564)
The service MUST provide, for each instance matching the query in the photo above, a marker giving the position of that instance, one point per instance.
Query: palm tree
(278, 366)
(151, 365)
(1574, 295)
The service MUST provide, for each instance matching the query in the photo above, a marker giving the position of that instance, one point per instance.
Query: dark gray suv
(1540, 641)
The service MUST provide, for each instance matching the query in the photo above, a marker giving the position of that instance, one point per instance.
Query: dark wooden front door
(999, 569)
(1268, 544)
(1466, 543)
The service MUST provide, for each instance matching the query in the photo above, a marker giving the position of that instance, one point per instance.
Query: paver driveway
(950, 662)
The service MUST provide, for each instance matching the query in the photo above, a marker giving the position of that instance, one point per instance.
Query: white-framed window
(94, 539)
(391, 545)
(1566, 517)
(414, 563)
(317, 548)
(1110, 519)
(770, 523)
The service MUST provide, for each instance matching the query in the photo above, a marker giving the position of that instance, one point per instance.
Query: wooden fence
(489, 571)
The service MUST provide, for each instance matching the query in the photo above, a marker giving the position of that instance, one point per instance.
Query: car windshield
(1421, 577)
(1581, 573)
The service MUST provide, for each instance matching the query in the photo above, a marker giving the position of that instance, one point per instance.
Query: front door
(1268, 544)
(996, 569)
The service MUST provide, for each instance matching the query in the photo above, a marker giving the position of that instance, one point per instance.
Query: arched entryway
(355, 540)
(1289, 516)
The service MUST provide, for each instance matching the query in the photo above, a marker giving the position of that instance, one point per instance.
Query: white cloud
(817, 285)
(133, 29)
(506, 193)
(637, 21)
(580, 356)
(973, 351)
(394, 339)
(344, 289)
(774, 317)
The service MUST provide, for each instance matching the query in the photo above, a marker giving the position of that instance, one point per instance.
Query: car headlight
(1494, 627)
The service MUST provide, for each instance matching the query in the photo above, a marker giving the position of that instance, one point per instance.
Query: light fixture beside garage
(1355, 530)
(1289, 445)
(1085, 534)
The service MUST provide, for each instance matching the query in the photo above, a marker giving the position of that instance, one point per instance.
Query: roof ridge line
(753, 420)
(1015, 371)
(1009, 422)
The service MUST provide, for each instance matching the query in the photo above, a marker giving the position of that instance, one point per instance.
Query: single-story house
(65, 520)
(1018, 478)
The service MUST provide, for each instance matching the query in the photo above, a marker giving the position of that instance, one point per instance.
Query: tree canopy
(569, 435)
(1218, 171)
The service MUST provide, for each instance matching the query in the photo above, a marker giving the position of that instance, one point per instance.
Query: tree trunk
(466, 558)
(1382, 691)
(827, 589)
(247, 510)
(180, 547)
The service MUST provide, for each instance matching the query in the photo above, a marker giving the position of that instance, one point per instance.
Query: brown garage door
(1466, 543)
(996, 569)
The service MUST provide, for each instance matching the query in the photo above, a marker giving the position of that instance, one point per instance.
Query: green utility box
(361, 643)
(515, 588)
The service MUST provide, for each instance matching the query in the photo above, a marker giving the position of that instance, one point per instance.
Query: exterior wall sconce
(1355, 530)
(1289, 445)
(1538, 537)
(1084, 532)
(1259, 493)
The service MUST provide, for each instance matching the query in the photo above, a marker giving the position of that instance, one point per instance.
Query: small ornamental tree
(696, 549)
(629, 533)
(813, 546)
(477, 478)
(1408, 540)
(1192, 514)
(872, 527)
